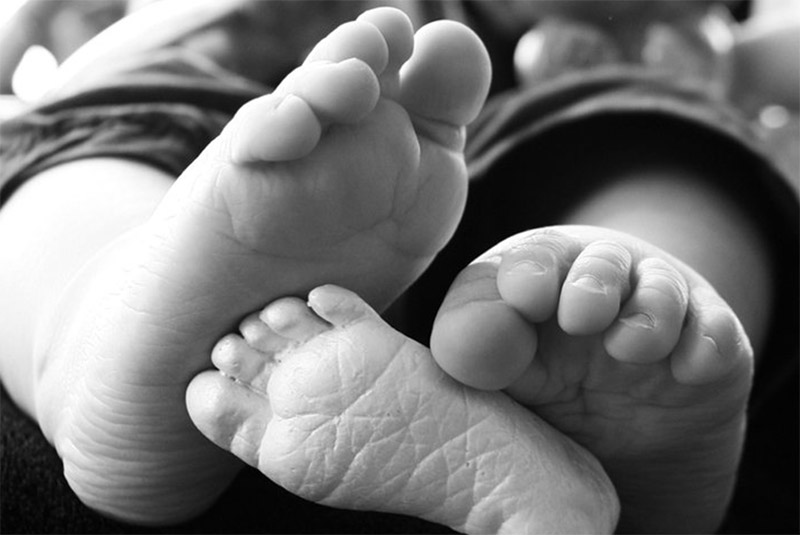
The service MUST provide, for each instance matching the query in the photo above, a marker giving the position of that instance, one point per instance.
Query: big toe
(231, 415)
(478, 338)
(447, 78)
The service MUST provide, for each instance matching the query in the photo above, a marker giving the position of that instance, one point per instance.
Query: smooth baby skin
(620, 346)
(350, 172)
(333, 404)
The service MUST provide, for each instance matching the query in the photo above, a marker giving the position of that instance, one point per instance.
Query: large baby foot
(336, 406)
(620, 346)
(350, 172)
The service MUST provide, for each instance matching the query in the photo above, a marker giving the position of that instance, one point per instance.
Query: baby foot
(336, 406)
(350, 172)
(621, 347)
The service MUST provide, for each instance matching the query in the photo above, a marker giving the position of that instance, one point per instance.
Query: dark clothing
(531, 154)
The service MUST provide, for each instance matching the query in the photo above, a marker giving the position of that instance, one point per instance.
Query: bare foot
(621, 347)
(337, 407)
(350, 172)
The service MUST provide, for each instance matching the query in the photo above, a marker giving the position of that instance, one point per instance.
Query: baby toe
(292, 319)
(532, 271)
(229, 414)
(397, 31)
(235, 358)
(272, 128)
(447, 78)
(337, 84)
(713, 342)
(343, 92)
(529, 280)
(339, 306)
(260, 337)
(478, 338)
(650, 323)
(485, 345)
(355, 39)
(594, 287)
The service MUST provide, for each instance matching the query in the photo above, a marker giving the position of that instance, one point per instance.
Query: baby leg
(351, 171)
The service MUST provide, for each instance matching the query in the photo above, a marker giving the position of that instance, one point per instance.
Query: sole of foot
(333, 404)
(621, 347)
(350, 172)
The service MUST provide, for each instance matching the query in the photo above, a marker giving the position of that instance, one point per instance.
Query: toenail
(590, 283)
(709, 341)
(527, 267)
(640, 320)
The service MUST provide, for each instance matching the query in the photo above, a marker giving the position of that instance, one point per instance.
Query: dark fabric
(162, 110)
(162, 135)
(531, 154)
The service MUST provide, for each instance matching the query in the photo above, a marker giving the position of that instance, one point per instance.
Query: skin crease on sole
(333, 404)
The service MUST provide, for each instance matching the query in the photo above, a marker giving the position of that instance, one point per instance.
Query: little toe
(292, 319)
(713, 342)
(650, 323)
(594, 288)
(447, 78)
(229, 414)
(478, 338)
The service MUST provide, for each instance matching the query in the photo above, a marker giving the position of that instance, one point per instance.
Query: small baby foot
(621, 347)
(336, 406)
(350, 172)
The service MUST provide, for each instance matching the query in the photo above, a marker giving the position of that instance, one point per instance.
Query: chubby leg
(336, 406)
(620, 346)
(350, 172)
